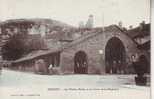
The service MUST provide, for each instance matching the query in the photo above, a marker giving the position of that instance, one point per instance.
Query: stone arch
(115, 56)
(80, 63)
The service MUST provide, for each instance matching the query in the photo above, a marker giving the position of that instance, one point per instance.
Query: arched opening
(115, 56)
(80, 63)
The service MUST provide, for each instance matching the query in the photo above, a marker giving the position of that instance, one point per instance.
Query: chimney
(130, 27)
(142, 24)
(120, 24)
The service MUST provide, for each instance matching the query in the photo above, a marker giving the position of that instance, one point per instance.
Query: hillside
(49, 22)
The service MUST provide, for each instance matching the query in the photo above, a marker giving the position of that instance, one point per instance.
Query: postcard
(75, 49)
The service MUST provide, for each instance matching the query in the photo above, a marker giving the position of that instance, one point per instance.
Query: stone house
(37, 61)
(141, 36)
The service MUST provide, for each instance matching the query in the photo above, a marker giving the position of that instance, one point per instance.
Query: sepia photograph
(75, 49)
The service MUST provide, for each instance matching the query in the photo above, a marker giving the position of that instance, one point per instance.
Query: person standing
(114, 67)
(50, 68)
(135, 62)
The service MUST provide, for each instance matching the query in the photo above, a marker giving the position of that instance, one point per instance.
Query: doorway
(115, 56)
(80, 63)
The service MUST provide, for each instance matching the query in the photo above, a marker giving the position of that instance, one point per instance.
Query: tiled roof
(36, 54)
(138, 32)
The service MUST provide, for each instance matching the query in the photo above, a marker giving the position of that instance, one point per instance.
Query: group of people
(116, 67)
(81, 67)
(138, 63)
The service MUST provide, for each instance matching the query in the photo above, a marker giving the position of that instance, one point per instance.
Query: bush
(13, 49)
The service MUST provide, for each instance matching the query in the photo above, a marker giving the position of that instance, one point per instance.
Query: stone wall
(91, 46)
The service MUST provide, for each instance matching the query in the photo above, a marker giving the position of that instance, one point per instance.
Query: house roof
(145, 46)
(138, 32)
(36, 54)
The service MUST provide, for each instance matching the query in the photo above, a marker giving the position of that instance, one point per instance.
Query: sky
(105, 12)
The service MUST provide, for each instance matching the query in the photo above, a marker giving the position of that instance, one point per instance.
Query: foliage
(14, 48)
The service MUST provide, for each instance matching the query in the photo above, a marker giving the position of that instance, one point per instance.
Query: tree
(14, 48)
